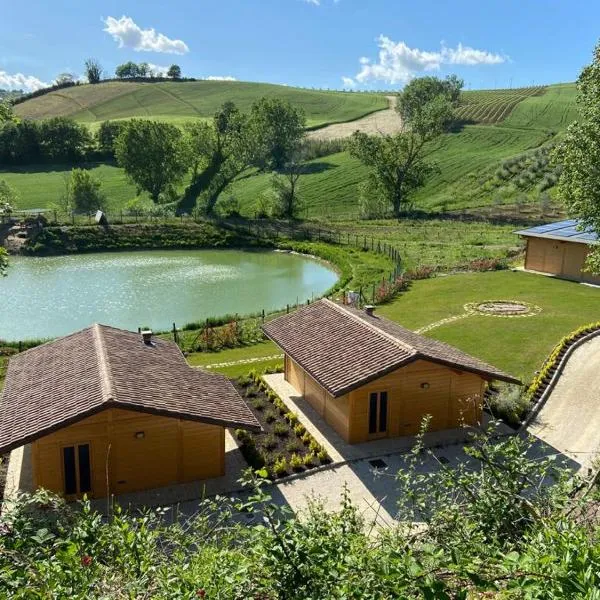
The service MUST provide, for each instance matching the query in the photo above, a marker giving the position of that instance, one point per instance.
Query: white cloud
(19, 81)
(220, 78)
(130, 35)
(398, 63)
(158, 69)
(348, 82)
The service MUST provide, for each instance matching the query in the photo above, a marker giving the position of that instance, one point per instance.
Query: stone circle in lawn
(503, 308)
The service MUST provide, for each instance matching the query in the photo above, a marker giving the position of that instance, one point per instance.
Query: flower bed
(285, 446)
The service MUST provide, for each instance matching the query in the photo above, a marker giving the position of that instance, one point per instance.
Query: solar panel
(567, 229)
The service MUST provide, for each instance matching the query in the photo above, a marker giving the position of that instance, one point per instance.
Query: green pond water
(52, 296)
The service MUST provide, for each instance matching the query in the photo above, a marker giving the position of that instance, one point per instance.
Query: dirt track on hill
(383, 121)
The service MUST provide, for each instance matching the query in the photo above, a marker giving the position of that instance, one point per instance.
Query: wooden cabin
(370, 378)
(108, 411)
(560, 249)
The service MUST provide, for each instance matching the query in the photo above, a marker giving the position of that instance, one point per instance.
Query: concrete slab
(569, 421)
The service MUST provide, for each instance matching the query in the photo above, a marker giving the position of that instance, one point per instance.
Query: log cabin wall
(131, 451)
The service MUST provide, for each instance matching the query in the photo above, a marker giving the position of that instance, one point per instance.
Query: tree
(285, 184)
(6, 112)
(83, 192)
(398, 163)
(8, 198)
(424, 90)
(152, 154)
(106, 136)
(174, 72)
(65, 79)
(63, 139)
(127, 70)
(226, 149)
(579, 157)
(277, 129)
(93, 70)
(143, 70)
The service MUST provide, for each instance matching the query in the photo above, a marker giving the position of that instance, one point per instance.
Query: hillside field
(467, 160)
(180, 101)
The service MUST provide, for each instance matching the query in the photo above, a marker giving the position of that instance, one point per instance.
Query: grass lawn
(439, 242)
(260, 354)
(517, 345)
(43, 185)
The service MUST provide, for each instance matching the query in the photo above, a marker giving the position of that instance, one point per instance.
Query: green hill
(477, 166)
(467, 162)
(180, 101)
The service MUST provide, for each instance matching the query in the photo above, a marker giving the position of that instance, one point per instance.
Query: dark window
(383, 412)
(85, 478)
(69, 466)
(373, 413)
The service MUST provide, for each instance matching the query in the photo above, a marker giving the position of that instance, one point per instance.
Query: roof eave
(558, 238)
(234, 424)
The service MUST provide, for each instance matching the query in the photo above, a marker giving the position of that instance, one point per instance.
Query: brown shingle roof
(66, 380)
(343, 348)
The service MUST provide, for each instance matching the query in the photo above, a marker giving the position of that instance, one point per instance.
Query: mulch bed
(285, 447)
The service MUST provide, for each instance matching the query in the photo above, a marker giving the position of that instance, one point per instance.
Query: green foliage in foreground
(505, 524)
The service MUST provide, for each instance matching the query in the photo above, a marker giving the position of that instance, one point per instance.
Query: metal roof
(568, 231)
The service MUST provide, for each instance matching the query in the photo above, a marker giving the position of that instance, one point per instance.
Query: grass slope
(492, 106)
(181, 101)
(517, 345)
(465, 160)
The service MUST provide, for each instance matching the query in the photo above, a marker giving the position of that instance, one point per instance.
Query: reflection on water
(44, 297)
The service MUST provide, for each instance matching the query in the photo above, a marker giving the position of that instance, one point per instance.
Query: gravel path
(383, 121)
(570, 419)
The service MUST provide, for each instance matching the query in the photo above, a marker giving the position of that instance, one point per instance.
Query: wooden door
(378, 415)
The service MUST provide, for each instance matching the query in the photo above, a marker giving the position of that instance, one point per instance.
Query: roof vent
(147, 336)
(369, 309)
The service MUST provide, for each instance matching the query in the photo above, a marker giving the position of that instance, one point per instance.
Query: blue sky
(364, 44)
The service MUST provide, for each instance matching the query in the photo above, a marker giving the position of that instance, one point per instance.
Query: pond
(53, 296)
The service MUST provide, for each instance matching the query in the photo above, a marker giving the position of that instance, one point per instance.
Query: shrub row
(66, 240)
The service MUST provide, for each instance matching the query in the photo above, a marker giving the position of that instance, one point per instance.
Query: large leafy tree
(217, 153)
(127, 70)
(174, 72)
(277, 129)
(152, 154)
(398, 163)
(579, 156)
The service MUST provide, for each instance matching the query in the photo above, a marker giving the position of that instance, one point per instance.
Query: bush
(323, 456)
(269, 442)
(271, 416)
(291, 418)
(509, 404)
(299, 429)
(306, 438)
(280, 467)
(258, 403)
(309, 460)
(281, 429)
(296, 462)
(314, 446)
(293, 446)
